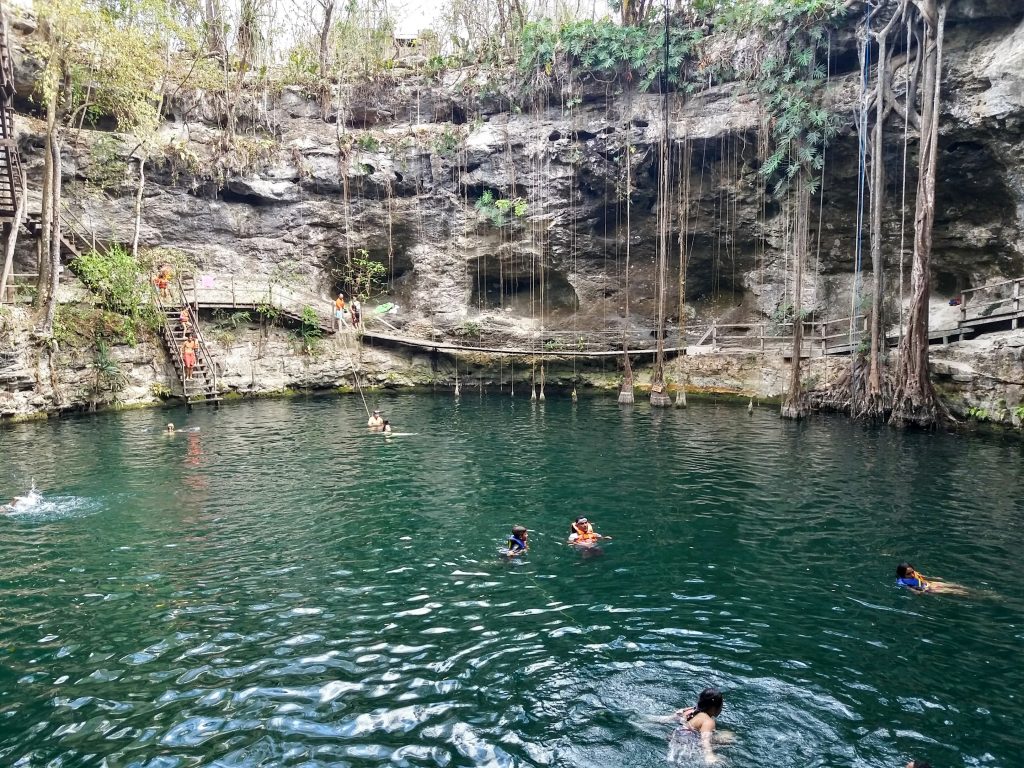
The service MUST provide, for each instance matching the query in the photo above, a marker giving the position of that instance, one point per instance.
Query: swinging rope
(861, 179)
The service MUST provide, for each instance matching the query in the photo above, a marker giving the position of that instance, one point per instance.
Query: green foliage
(447, 143)
(232, 320)
(788, 73)
(609, 50)
(268, 313)
(368, 142)
(309, 330)
(978, 414)
(106, 168)
(160, 391)
(362, 276)
(469, 329)
(122, 287)
(109, 375)
(498, 210)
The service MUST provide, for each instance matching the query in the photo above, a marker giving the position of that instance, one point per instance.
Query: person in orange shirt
(339, 312)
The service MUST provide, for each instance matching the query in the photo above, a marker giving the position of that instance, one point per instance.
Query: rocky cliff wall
(398, 170)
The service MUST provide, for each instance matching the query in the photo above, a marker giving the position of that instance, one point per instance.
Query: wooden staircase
(10, 165)
(203, 387)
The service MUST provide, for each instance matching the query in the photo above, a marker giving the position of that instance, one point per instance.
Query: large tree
(99, 65)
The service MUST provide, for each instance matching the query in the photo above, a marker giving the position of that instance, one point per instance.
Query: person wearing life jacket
(517, 542)
(582, 532)
(907, 577)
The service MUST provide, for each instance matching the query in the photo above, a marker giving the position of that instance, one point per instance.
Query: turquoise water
(282, 589)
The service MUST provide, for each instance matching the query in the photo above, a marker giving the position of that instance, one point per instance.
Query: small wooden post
(1016, 305)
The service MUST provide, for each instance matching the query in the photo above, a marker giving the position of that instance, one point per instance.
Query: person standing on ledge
(375, 421)
(339, 312)
(188, 356)
(356, 313)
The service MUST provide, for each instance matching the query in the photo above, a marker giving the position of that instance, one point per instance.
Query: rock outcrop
(411, 173)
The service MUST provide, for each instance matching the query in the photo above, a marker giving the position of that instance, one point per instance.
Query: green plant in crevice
(362, 276)
(309, 330)
(122, 287)
(469, 329)
(367, 142)
(108, 374)
(609, 50)
(978, 413)
(447, 142)
(498, 210)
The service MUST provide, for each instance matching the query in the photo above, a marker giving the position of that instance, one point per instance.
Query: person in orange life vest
(581, 531)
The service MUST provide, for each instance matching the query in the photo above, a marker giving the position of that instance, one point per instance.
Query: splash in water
(38, 506)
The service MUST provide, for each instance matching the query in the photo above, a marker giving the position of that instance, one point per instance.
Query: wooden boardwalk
(993, 307)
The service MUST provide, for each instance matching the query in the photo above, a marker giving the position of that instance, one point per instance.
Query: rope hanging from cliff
(903, 201)
(862, 128)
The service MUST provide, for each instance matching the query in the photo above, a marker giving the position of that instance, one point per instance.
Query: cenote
(280, 588)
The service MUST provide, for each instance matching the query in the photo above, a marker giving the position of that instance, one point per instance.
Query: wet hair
(709, 702)
(903, 569)
(518, 531)
(572, 525)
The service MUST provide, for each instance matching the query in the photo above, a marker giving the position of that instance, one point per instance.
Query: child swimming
(907, 577)
(698, 723)
(581, 532)
(517, 542)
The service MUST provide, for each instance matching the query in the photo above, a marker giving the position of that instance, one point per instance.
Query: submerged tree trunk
(915, 402)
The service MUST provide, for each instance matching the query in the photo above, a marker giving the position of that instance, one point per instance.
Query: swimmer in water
(170, 428)
(517, 542)
(907, 577)
(582, 532)
(375, 421)
(386, 427)
(699, 722)
(919, 764)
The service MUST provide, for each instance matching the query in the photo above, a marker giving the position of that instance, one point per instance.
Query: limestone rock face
(519, 221)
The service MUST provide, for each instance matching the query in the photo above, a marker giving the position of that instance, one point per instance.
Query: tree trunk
(138, 208)
(12, 236)
(325, 39)
(55, 238)
(45, 214)
(874, 406)
(213, 15)
(794, 406)
(915, 402)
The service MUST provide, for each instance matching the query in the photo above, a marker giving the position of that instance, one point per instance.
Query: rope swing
(659, 397)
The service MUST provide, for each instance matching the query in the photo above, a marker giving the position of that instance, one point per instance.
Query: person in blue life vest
(518, 542)
(908, 577)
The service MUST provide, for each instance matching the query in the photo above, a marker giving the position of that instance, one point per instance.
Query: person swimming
(517, 542)
(700, 722)
(907, 576)
(386, 427)
(581, 531)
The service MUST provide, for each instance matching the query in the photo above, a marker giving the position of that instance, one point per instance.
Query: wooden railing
(991, 302)
(229, 292)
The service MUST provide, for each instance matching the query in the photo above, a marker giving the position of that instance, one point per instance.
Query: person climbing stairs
(180, 322)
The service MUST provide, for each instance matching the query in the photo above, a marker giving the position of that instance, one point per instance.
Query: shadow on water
(282, 588)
